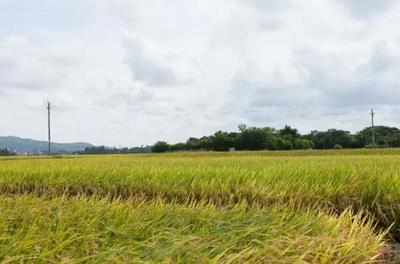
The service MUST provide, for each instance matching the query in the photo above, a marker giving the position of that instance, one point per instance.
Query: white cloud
(145, 69)
(127, 72)
(367, 8)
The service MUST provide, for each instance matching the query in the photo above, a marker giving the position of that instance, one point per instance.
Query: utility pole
(372, 127)
(48, 125)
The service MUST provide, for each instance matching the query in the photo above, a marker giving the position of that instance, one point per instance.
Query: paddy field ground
(244, 207)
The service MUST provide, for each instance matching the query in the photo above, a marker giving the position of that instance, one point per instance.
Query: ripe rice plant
(310, 185)
(367, 180)
(77, 230)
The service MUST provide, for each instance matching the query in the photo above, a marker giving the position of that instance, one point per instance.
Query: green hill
(23, 145)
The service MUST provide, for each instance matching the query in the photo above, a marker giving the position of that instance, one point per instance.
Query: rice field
(244, 207)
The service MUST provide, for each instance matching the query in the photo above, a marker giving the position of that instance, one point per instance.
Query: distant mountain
(23, 145)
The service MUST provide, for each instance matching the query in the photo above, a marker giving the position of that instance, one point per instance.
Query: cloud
(145, 68)
(140, 71)
(330, 84)
(367, 8)
(271, 25)
(24, 67)
(268, 5)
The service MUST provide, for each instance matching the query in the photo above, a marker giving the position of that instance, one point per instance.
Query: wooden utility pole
(48, 126)
(372, 126)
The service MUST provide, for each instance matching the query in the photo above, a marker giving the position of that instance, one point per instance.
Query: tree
(198, 143)
(385, 136)
(328, 139)
(242, 127)
(160, 147)
(337, 146)
(287, 138)
(178, 147)
(289, 133)
(6, 152)
(302, 144)
(394, 141)
(253, 138)
(283, 144)
(223, 141)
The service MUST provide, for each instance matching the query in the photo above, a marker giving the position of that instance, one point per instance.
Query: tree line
(108, 150)
(287, 138)
(6, 152)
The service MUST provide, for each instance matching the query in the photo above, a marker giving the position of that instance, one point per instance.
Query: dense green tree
(328, 139)
(6, 152)
(384, 136)
(160, 147)
(223, 141)
(394, 140)
(253, 138)
(302, 144)
(203, 143)
(178, 147)
(106, 150)
(289, 133)
(284, 144)
(287, 138)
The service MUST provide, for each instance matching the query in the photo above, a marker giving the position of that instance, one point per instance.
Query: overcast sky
(131, 72)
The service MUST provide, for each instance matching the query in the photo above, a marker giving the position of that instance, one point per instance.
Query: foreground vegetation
(81, 230)
(293, 206)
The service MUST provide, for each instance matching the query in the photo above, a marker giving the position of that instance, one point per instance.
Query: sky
(132, 72)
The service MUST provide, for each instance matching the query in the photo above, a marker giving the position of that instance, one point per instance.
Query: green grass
(77, 230)
(365, 182)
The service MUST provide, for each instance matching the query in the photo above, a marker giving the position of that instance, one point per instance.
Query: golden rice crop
(370, 182)
(361, 182)
(76, 230)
